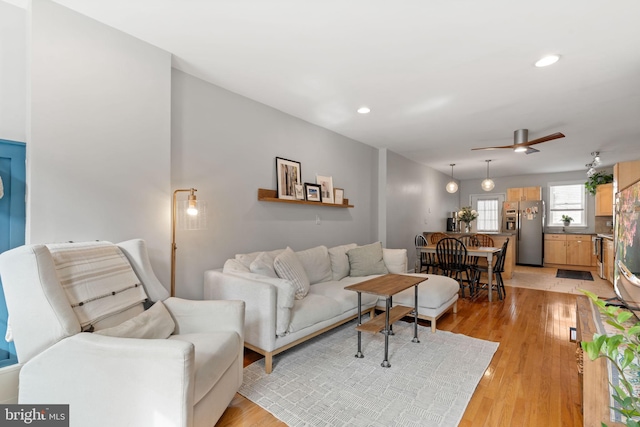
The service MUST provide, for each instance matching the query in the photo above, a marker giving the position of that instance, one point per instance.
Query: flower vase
(467, 227)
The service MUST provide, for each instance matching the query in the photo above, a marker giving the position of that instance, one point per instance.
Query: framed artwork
(326, 187)
(299, 192)
(288, 175)
(313, 192)
(338, 196)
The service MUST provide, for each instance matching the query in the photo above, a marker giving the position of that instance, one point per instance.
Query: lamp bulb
(488, 184)
(452, 187)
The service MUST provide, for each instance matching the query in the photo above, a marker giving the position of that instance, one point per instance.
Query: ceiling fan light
(364, 110)
(452, 187)
(547, 60)
(520, 149)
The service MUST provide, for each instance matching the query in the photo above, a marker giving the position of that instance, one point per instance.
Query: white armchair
(185, 380)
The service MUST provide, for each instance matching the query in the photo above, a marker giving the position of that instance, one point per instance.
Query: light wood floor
(532, 379)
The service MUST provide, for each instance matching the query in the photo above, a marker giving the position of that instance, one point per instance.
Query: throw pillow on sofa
(316, 263)
(288, 266)
(366, 260)
(263, 264)
(340, 260)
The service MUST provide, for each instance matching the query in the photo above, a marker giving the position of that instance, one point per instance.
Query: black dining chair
(498, 269)
(452, 260)
(426, 261)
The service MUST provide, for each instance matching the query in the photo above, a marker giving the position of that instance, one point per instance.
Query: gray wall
(98, 134)
(225, 145)
(470, 187)
(416, 201)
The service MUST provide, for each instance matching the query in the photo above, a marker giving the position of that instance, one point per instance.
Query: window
(567, 199)
(488, 215)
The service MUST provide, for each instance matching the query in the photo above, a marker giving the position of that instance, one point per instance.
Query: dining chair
(452, 257)
(425, 260)
(483, 239)
(434, 238)
(498, 269)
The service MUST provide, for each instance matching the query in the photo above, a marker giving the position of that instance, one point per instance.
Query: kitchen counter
(606, 236)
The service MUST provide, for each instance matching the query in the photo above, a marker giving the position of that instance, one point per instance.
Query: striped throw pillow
(289, 267)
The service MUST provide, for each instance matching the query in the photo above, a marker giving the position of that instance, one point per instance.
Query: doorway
(12, 222)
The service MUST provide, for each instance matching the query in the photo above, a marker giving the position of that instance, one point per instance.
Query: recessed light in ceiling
(364, 110)
(547, 60)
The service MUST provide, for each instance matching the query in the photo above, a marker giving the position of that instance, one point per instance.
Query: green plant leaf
(623, 316)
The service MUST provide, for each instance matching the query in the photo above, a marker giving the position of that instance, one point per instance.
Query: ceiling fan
(520, 143)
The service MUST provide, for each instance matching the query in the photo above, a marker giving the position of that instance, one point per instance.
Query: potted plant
(623, 351)
(566, 219)
(596, 179)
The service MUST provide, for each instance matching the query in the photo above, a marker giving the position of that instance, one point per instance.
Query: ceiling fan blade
(543, 139)
(531, 150)
(494, 148)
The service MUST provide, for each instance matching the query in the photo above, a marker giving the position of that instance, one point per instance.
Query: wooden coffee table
(386, 286)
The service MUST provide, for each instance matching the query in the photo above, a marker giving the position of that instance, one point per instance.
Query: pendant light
(452, 186)
(488, 184)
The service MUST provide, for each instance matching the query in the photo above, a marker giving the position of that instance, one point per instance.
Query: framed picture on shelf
(288, 175)
(338, 196)
(313, 192)
(299, 192)
(326, 187)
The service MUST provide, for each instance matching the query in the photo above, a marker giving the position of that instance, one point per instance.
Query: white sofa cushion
(247, 259)
(395, 260)
(263, 264)
(340, 261)
(432, 293)
(289, 267)
(234, 266)
(313, 309)
(366, 260)
(348, 300)
(214, 354)
(154, 323)
(316, 263)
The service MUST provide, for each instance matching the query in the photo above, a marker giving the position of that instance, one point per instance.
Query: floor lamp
(192, 216)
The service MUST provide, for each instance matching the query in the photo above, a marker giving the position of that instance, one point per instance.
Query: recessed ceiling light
(547, 60)
(364, 110)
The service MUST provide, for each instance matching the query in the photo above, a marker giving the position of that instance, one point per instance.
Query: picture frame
(313, 192)
(338, 196)
(288, 175)
(326, 187)
(300, 192)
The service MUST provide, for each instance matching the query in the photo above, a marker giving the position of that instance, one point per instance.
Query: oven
(598, 247)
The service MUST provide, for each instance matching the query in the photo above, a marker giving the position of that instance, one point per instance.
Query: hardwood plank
(532, 379)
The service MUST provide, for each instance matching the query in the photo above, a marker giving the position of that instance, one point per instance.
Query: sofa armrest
(206, 316)
(128, 381)
(260, 299)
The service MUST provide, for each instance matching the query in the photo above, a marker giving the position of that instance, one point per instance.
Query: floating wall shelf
(265, 195)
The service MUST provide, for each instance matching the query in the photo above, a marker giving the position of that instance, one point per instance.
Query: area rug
(321, 383)
(574, 274)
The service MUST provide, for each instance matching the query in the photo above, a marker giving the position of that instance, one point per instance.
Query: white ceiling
(441, 77)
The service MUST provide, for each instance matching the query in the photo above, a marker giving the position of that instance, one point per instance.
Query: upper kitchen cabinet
(625, 174)
(524, 194)
(604, 200)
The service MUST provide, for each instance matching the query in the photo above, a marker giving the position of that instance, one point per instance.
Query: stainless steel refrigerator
(527, 220)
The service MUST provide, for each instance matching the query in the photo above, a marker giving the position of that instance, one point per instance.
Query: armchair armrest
(129, 381)
(260, 298)
(206, 316)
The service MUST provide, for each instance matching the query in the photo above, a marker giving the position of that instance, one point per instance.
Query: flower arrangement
(466, 214)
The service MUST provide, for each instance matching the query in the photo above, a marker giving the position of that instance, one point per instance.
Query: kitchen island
(498, 240)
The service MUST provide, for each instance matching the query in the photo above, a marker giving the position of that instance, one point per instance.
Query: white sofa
(276, 321)
(115, 376)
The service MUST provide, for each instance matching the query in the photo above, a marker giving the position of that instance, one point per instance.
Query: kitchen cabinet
(604, 200)
(608, 259)
(524, 194)
(625, 174)
(555, 248)
(579, 249)
(568, 249)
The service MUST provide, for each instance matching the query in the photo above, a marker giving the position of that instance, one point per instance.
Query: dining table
(478, 251)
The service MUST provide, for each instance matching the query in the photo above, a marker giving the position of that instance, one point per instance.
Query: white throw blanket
(97, 278)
